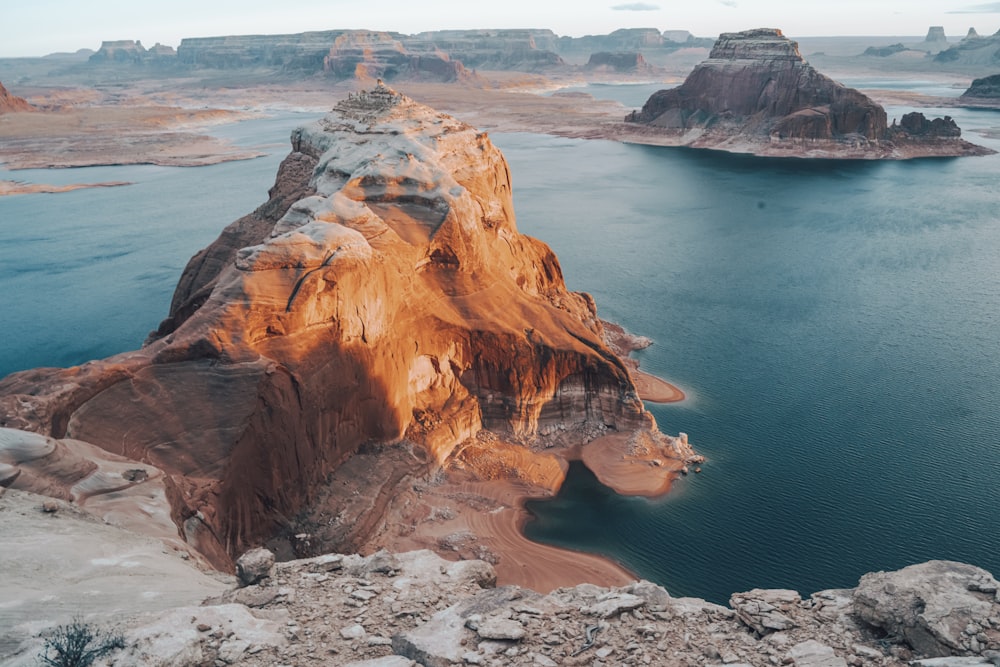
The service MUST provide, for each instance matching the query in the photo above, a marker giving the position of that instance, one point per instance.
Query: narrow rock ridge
(756, 94)
(382, 296)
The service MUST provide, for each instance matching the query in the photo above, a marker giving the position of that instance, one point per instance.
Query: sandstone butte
(756, 94)
(381, 298)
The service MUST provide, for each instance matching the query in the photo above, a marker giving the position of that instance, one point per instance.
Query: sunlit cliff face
(382, 294)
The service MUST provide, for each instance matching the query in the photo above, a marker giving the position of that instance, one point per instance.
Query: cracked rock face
(940, 608)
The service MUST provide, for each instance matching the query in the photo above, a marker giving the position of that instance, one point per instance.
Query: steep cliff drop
(756, 94)
(379, 318)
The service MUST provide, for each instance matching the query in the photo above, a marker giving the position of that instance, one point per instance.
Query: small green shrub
(79, 645)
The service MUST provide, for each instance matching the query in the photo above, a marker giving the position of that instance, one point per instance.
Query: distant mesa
(935, 35)
(886, 51)
(438, 55)
(617, 62)
(12, 103)
(127, 51)
(369, 56)
(973, 51)
(756, 94)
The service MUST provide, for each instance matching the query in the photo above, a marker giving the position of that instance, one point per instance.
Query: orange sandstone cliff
(382, 296)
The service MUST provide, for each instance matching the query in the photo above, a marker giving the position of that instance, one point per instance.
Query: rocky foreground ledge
(756, 94)
(408, 609)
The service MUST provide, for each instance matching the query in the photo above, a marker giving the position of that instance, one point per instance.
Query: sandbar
(654, 389)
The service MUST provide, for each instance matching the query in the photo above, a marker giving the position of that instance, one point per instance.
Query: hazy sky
(37, 27)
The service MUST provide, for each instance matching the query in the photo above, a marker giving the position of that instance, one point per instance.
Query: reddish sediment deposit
(381, 298)
(756, 94)
(9, 102)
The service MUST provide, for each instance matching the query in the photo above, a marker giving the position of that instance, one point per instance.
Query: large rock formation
(755, 93)
(383, 295)
(11, 103)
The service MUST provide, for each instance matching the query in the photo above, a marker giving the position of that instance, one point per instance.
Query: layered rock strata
(408, 609)
(382, 296)
(756, 94)
(367, 56)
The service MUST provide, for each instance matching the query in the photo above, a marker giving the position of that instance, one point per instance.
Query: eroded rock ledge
(414, 608)
(382, 297)
(756, 94)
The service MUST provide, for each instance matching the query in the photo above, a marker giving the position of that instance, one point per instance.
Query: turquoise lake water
(835, 325)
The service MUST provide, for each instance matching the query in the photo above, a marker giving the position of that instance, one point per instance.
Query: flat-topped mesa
(759, 44)
(756, 94)
(383, 294)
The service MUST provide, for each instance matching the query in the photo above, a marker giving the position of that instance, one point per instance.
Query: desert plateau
(500, 346)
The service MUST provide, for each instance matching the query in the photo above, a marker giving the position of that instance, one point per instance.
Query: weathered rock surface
(10, 103)
(254, 565)
(939, 608)
(756, 94)
(71, 563)
(382, 297)
(430, 612)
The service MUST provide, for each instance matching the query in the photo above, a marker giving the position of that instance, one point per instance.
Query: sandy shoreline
(8, 188)
(116, 135)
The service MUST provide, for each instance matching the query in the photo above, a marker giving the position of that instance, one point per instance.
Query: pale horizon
(60, 26)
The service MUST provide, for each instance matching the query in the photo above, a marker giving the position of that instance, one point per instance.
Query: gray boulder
(254, 565)
(940, 608)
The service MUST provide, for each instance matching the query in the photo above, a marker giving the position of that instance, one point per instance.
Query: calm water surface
(836, 326)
